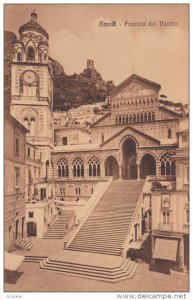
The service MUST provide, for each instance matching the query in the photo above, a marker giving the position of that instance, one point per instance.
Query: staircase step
(60, 226)
(125, 271)
(106, 227)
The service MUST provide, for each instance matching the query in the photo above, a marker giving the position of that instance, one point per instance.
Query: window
(19, 56)
(30, 54)
(167, 164)
(77, 190)
(42, 194)
(30, 214)
(153, 116)
(16, 145)
(62, 191)
(17, 177)
(40, 57)
(9, 229)
(64, 140)
(35, 172)
(32, 126)
(102, 138)
(166, 218)
(78, 167)
(28, 151)
(29, 176)
(94, 166)
(169, 133)
(63, 168)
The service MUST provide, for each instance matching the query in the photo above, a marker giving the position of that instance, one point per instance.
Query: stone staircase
(33, 258)
(61, 225)
(106, 227)
(23, 243)
(95, 251)
(92, 266)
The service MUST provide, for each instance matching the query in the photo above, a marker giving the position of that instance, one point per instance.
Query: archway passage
(31, 229)
(129, 159)
(112, 167)
(147, 166)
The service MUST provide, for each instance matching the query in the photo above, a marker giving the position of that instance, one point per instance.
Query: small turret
(90, 63)
(34, 16)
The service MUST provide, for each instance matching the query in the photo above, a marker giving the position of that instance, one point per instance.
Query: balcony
(163, 185)
(67, 179)
(165, 227)
(29, 98)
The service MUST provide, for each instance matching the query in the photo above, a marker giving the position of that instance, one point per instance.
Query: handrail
(89, 207)
(139, 203)
(54, 220)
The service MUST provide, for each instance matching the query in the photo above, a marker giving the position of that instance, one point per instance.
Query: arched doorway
(31, 229)
(112, 167)
(129, 159)
(147, 166)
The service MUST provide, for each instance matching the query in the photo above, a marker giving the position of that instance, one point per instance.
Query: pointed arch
(30, 53)
(167, 164)
(78, 167)
(62, 167)
(94, 166)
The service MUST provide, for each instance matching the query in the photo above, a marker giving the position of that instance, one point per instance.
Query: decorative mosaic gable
(142, 139)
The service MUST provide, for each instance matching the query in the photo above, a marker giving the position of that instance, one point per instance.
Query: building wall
(14, 192)
(177, 209)
(43, 213)
(74, 136)
(74, 191)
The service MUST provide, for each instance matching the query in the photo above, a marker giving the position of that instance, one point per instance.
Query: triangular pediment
(142, 138)
(136, 86)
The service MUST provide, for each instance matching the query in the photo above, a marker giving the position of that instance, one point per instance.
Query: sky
(158, 53)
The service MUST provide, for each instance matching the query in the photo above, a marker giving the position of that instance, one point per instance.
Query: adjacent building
(14, 180)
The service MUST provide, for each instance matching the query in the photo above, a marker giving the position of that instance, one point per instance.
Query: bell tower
(32, 86)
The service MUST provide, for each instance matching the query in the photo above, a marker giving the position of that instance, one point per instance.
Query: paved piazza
(34, 279)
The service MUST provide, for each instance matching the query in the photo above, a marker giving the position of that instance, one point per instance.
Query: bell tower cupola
(32, 45)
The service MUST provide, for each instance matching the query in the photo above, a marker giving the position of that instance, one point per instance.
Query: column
(152, 245)
(138, 172)
(70, 171)
(158, 168)
(120, 172)
(181, 255)
(102, 167)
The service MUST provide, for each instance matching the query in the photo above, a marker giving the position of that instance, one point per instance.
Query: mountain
(79, 89)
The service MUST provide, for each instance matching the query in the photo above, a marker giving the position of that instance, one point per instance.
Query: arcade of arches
(128, 166)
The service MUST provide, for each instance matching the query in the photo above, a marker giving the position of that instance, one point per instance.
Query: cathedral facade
(135, 139)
